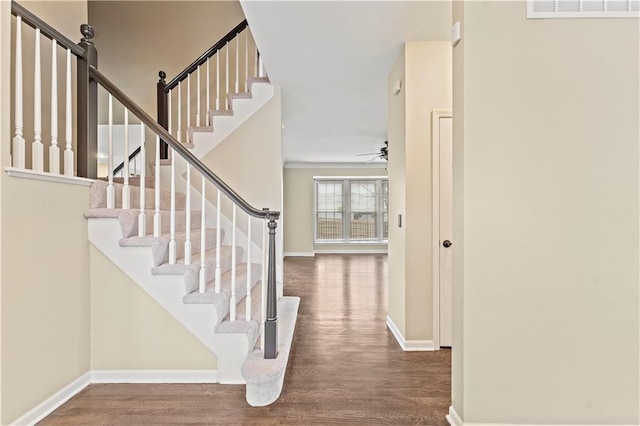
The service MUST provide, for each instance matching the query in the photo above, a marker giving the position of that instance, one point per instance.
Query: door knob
(447, 243)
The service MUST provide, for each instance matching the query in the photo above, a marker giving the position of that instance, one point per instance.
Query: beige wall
(550, 215)
(130, 331)
(45, 291)
(45, 302)
(299, 211)
(427, 82)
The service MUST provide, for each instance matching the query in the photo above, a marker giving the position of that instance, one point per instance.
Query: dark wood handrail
(46, 29)
(180, 148)
(206, 55)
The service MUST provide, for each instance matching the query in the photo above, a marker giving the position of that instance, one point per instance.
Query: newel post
(271, 323)
(87, 120)
(163, 111)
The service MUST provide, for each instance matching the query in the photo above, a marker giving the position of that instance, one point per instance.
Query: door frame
(436, 115)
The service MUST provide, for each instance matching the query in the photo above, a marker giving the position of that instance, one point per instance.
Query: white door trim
(436, 115)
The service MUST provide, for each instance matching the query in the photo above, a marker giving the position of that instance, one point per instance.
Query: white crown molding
(409, 345)
(154, 376)
(50, 404)
(309, 165)
(49, 177)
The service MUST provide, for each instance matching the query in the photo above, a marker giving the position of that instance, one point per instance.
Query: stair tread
(179, 268)
(148, 240)
(221, 112)
(241, 283)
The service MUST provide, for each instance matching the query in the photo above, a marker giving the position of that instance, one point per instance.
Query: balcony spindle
(188, 104)
(18, 154)
(142, 218)
(187, 227)
(198, 98)
(156, 216)
(172, 241)
(237, 87)
(232, 300)
(226, 73)
(217, 80)
(203, 273)
(54, 150)
(218, 271)
(126, 190)
(249, 244)
(246, 60)
(69, 160)
(208, 95)
(37, 148)
(179, 135)
(111, 195)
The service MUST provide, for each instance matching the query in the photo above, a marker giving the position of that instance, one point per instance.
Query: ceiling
(331, 60)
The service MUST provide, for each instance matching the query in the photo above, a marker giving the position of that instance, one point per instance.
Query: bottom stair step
(265, 377)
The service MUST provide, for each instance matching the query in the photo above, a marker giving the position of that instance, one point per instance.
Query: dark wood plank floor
(345, 366)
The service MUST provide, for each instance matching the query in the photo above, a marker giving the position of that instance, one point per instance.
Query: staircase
(182, 234)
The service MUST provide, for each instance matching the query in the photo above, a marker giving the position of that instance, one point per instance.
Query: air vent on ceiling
(537, 9)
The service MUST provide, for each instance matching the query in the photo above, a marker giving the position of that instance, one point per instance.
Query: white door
(446, 228)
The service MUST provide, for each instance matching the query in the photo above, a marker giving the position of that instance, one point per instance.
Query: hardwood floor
(345, 366)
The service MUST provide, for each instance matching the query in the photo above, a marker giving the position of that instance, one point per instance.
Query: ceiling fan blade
(373, 159)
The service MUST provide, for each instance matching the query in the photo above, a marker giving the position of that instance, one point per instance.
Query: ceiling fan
(382, 154)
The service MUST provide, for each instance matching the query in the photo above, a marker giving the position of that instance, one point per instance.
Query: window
(351, 210)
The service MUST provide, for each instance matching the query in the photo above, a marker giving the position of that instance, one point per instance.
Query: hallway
(345, 366)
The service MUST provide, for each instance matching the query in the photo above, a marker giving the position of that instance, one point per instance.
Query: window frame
(346, 209)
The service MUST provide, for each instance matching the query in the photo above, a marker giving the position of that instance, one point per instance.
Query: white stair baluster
(37, 149)
(218, 272)
(263, 284)
(188, 104)
(179, 135)
(249, 243)
(187, 241)
(203, 273)
(172, 241)
(246, 59)
(111, 195)
(68, 150)
(237, 63)
(54, 150)
(18, 154)
(198, 99)
(232, 300)
(142, 219)
(126, 191)
(218, 80)
(260, 67)
(208, 95)
(257, 66)
(226, 94)
(156, 216)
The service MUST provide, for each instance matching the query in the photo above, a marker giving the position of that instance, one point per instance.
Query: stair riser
(99, 197)
(160, 247)
(192, 276)
(129, 222)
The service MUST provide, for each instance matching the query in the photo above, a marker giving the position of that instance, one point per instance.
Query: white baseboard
(299, 254)
(49, 405)
(154, 376)
(409, 345)
(353, 251)
(453, 418)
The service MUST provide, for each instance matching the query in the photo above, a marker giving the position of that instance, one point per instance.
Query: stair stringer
(223, 125)
(230, 349)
